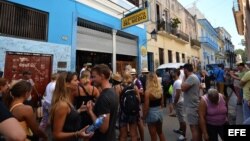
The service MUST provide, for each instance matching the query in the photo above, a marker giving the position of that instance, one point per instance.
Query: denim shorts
(154, 115)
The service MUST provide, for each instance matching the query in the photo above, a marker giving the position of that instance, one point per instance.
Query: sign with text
(135, 18)
(241, 132)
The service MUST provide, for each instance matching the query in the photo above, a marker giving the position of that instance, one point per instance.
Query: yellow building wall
(174, 45)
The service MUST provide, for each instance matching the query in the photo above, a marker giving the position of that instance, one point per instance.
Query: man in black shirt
(107, 103)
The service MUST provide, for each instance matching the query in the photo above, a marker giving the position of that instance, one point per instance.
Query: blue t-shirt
(219, 75)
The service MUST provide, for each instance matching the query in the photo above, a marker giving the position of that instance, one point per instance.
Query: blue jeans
(247, 121)
(45, 118)
(246, 110)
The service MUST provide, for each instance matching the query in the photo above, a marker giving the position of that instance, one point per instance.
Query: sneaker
(181, 138)
(178, 131)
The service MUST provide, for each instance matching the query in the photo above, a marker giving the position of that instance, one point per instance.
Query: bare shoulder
(62, 106)
(24, 109)
(23, 112)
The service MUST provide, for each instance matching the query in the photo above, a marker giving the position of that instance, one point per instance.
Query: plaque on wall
(62, 64)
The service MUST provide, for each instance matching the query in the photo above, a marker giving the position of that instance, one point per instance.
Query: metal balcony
(195, 44)
(164, 28)
(210, 43)
(183, 35)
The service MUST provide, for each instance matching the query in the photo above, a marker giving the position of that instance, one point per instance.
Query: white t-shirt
(182, 75)
(49, 91)
(177, 85)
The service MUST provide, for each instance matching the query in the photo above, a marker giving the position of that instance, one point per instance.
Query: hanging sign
(135, 18)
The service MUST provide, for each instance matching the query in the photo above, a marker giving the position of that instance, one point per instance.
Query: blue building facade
(62, 31)
(209, 42)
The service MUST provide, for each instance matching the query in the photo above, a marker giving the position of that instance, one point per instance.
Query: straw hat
(133, 71)
(117, 77)
(144, 70)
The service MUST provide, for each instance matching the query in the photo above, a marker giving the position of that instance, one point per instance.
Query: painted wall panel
(61, 53)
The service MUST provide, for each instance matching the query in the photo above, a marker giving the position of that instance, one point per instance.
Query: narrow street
(170, 123)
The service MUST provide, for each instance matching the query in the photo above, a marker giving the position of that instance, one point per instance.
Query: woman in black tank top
(65, 119)
(86, 92)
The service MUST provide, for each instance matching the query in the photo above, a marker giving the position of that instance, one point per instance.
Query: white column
(114, 51)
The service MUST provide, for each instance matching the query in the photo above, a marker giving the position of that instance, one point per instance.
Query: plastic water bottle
(98, 122)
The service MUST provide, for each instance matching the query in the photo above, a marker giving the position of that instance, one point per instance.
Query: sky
(219, 13)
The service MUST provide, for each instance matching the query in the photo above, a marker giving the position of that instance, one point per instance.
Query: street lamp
(154, 35)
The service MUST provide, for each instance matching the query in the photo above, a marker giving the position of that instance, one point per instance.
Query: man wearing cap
(143, 78)
(138, 84)
(245, 83)
(136, 81)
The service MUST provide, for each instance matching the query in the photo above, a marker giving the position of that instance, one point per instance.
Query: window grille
(20, 21)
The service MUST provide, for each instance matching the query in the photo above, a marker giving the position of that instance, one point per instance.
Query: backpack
(128, 102)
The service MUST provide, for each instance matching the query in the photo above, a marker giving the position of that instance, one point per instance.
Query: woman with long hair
(86, 92)
(19, 92)
(65, 119)
(127, 121)
(153, 102)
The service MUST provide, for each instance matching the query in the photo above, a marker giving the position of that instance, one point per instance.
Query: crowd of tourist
(72, 102)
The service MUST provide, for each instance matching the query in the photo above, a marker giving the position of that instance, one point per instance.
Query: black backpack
(129, 103)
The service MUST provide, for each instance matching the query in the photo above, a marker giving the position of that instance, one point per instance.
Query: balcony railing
(195, 42)
(183, 35)
(209, 42)
(166, 26)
